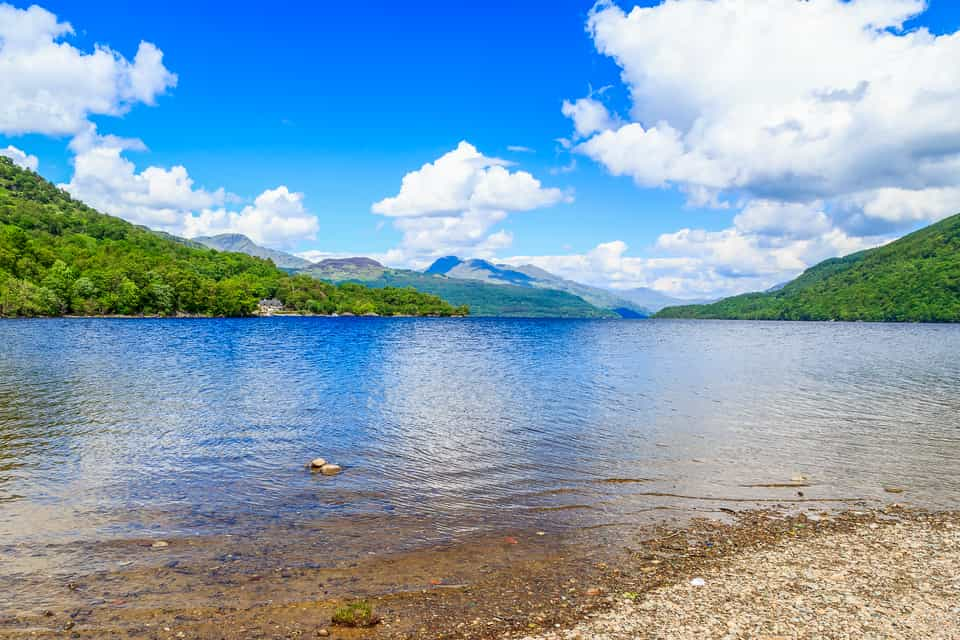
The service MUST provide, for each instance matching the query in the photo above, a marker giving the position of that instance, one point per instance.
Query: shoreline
(884, 576)
(498, 587)
(201, 317)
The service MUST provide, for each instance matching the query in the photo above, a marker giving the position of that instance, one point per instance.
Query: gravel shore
(896, 577)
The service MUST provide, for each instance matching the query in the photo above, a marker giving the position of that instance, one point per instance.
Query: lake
(114, 432)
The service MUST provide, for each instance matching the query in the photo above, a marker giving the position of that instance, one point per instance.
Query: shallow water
(120, 430)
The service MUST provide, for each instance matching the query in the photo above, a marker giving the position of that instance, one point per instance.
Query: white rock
(698, 582)
(316, 463)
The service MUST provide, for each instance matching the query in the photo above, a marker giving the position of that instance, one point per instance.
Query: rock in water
(317, 463)
(330, 469)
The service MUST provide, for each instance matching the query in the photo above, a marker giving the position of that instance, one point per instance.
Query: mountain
(239, 243)
(537, 278)
(483, 298)
(481, 270)
(59, 256)
(913, 279)
(343, 269)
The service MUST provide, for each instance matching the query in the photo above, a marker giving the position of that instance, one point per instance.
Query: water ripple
(113, 429)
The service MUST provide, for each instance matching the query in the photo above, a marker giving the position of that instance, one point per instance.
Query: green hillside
(914, 279)
(59, 256)
(482, 298)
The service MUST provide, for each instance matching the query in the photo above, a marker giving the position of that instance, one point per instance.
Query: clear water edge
(118, 430)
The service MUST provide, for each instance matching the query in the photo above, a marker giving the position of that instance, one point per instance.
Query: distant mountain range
(488, 289)
(913, 279)
(483, 298)
(534, 277)
(239, 243)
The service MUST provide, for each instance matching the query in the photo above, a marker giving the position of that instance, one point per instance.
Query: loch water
(115, 430)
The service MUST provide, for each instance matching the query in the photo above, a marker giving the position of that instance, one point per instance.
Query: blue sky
(339, 102)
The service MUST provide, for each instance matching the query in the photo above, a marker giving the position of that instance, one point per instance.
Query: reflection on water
(112, 429)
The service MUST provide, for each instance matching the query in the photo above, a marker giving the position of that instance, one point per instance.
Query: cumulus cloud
(450, 205)
(277, 218)
(465, 179)
(167, 198)
(895, 205)
(608, 265)
(824, 148)
(770, 242)
(155, 197)
(744, 103)
(51, 87)
(588, 115)
(732, 261)
(21, 158)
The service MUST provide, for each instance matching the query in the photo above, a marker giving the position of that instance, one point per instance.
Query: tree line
(59, 256)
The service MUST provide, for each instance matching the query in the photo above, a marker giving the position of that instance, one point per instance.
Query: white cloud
(167, 198)
(50, 87)
(588, 115)
(778, 219)
(316, 255)
(694, 263)
(449, 206)
(20, 157)
(769, 242)
(563, 169)
(469, 234)
(897, 205)
(465, 179)
(781, 100)
(517, 148)
(156, 197)
(608, 265)
(277, 218)
(827, 125)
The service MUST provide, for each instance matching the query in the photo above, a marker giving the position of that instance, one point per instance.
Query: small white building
(269, 306)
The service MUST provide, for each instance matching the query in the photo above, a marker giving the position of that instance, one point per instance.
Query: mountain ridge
(483, 299)
(630, 303)
(627, 303)
(239, 243)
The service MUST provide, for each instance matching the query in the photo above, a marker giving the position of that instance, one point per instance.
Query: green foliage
(483, 299)
(58, 256)
(914, 279)
(356, 614)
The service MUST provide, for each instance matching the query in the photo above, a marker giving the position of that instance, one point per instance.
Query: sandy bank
(896, 577)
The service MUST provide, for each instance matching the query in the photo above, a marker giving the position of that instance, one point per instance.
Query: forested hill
(59, 256)
(914, 279)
